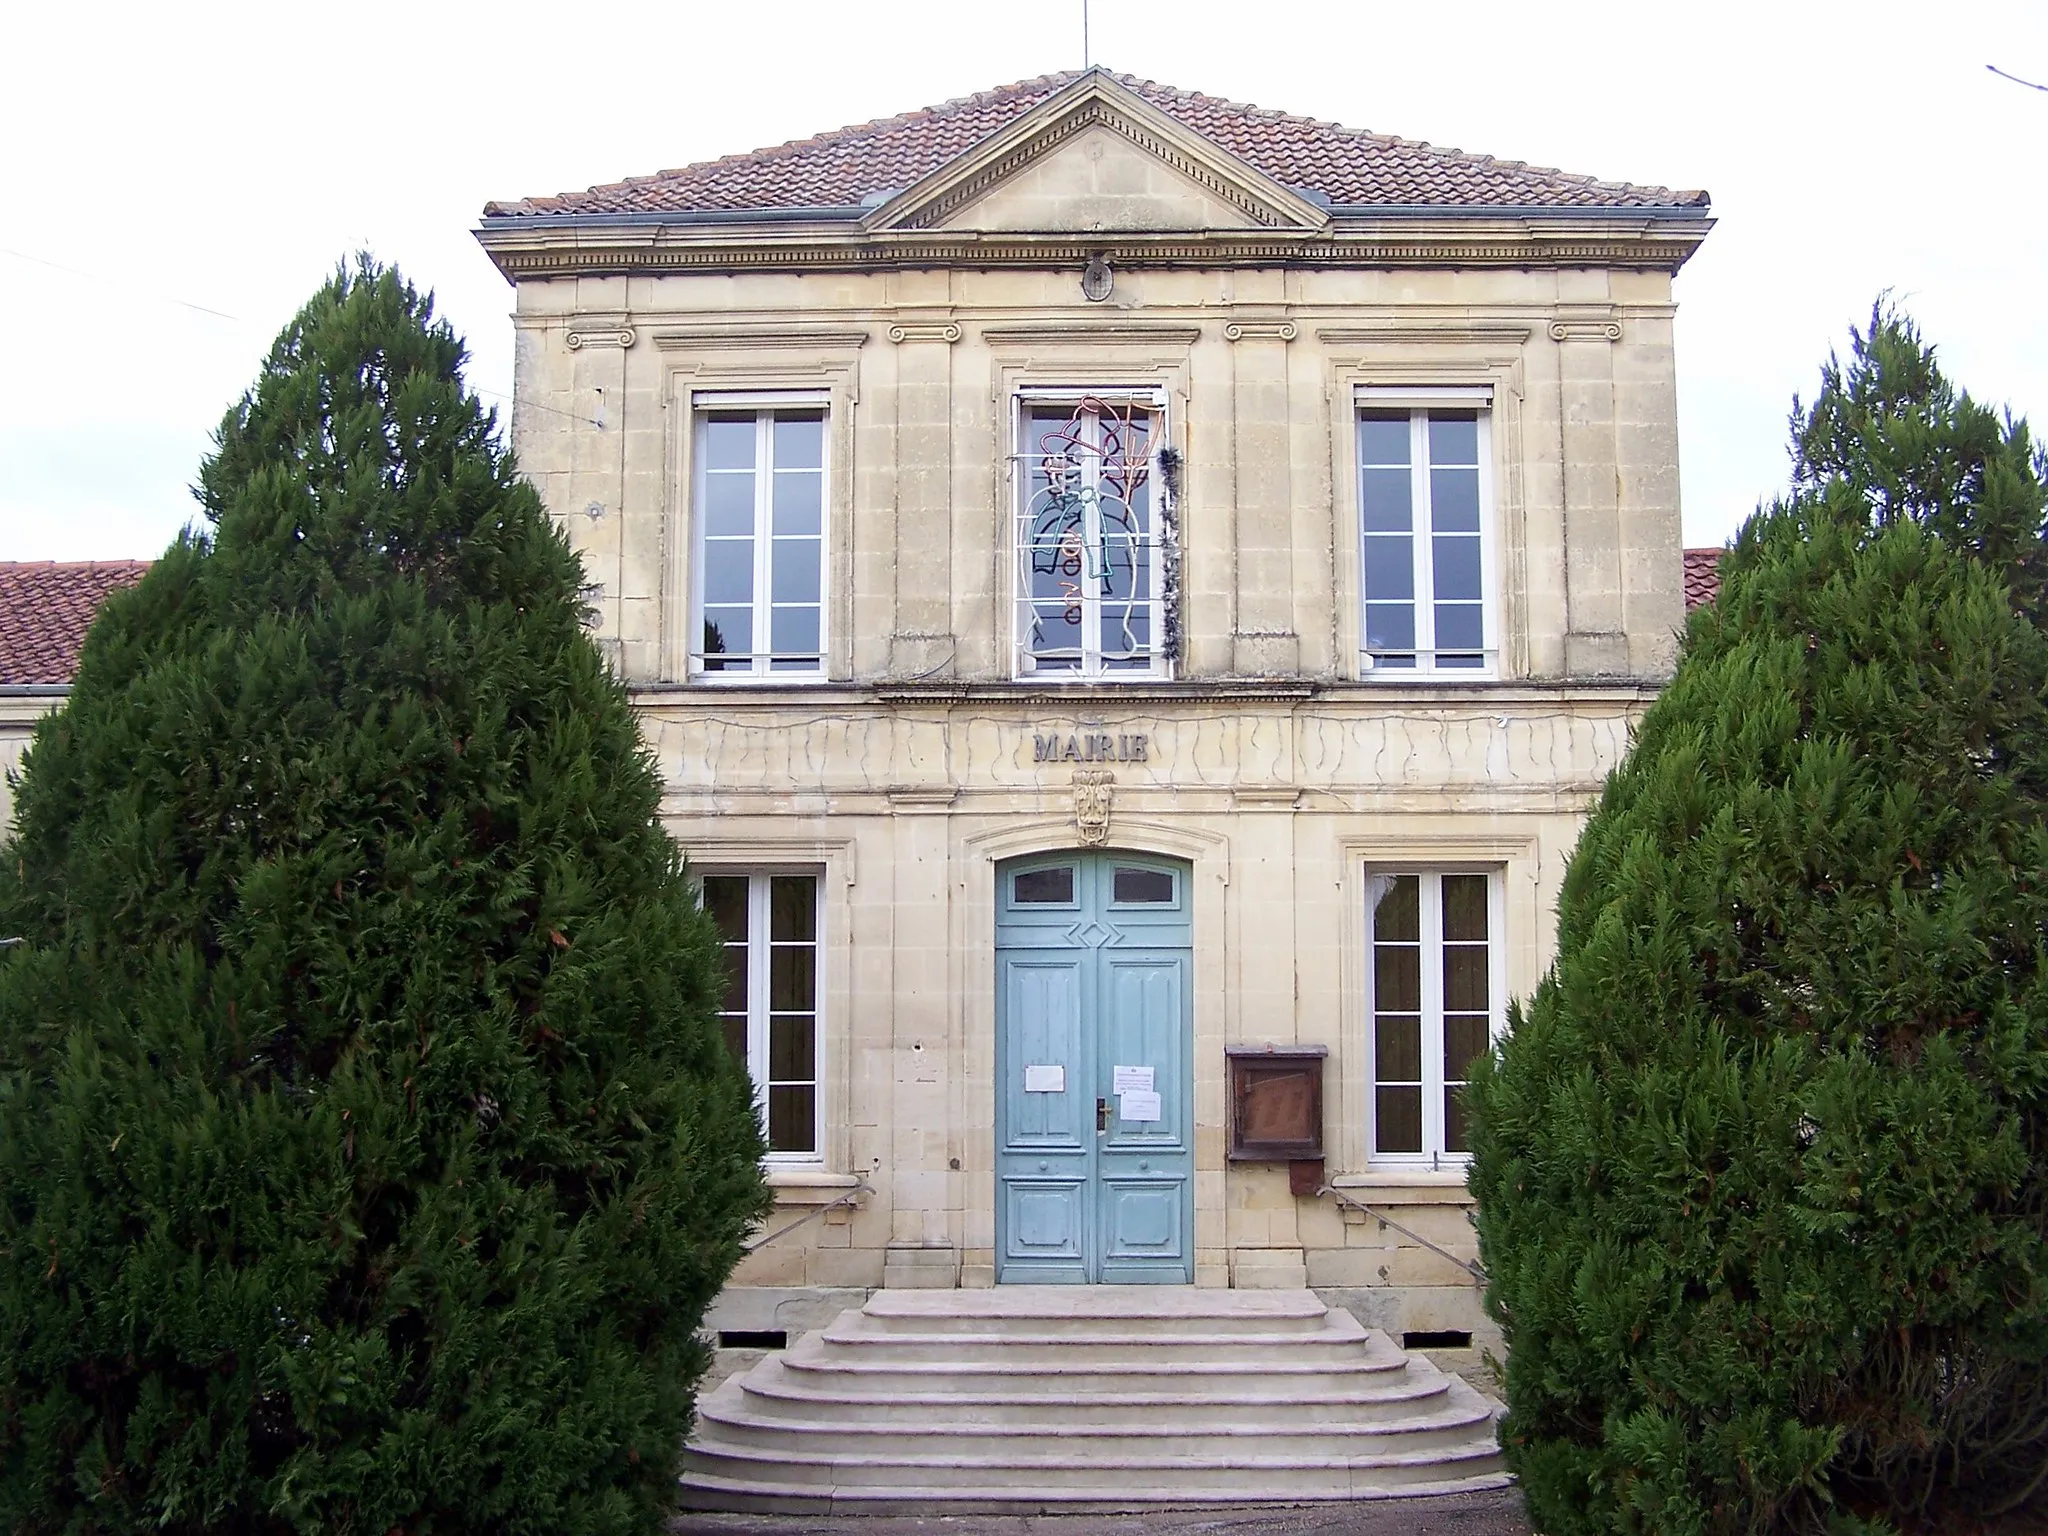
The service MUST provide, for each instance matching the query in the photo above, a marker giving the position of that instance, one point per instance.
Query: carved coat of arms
(1093, 789)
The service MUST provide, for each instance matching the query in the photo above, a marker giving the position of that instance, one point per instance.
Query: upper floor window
(759, 514)
(1435, 1000)
(1094, 537)
(1425, 519)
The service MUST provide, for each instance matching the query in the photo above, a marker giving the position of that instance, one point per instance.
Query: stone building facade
(1118, 583)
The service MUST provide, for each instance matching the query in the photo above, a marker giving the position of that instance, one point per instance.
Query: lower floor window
(770, 926)
(1435, 1004)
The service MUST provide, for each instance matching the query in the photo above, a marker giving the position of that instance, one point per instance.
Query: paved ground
(1478, 1514)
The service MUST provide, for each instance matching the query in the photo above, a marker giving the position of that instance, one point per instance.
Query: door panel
(1088, 985)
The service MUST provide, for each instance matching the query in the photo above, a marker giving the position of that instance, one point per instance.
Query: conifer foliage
(368, 1151)
(1762, 1168)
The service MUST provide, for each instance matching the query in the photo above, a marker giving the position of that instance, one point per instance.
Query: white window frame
(765, 404)
(1430, 903)
(1024, 666)
(1419, 402)
(759, 947)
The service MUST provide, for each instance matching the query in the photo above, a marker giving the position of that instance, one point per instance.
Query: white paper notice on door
(1050, 1079)
(1138, 1103)
(1125, 1079)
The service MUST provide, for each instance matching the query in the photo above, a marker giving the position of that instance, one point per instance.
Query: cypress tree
(1762, 1167)
(368, 1150)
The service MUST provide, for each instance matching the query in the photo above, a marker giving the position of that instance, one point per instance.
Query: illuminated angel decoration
(1089, 581)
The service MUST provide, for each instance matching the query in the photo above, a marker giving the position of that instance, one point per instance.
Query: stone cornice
(719, 338)
(536, 252)
(1476, 697)
(1431, 332)
(1083, 333)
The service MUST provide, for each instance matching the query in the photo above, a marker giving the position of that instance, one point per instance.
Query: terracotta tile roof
(1347, 165)
(1702, 576)
(46, 606)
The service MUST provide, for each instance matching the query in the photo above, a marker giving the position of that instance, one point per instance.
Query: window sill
(757, 679)
(1406, 1186)
(808, 1186)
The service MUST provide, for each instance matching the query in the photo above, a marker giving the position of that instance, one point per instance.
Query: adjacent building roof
(853, 165)
(1702, 576)
(46, 606)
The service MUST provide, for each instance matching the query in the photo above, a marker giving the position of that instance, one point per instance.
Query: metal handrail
(851, 1197)
(1478, 1275)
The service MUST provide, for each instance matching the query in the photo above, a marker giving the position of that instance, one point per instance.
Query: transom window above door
(1426, 532)
(1093, 537)
(758, 512)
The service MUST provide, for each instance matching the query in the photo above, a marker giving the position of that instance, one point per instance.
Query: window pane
(1389, 566)
(1454, 500)
(1141, 885)
(1459, 627)
(792, 908)
(728, 504)
(1397, 1048)
(728, 571)
(1383, 437)
(1454, 437)
(1126, 630)
(1457, 1136)
(1464, 1043)
(727, 631)
(1397, 1120)
(1386, 503)
(1456, 568)
(1465, 907)
(1059, 628)
(1465, 988)
(725, 898)
(1043, 886)
(797, 500)
(794, 577)
(799, 440)
(793, 1119)
(793, 978)
(1390, 626)
(735, 1029)
(794, 632)
(1397, 978)
(792, 1050)
(729, 440)
(1398, 914)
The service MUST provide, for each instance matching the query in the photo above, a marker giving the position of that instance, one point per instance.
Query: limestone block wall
(1279, 803)
(1260, 370)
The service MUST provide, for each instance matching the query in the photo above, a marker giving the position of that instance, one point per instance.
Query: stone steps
(1086, 1399)
(1051, 1399)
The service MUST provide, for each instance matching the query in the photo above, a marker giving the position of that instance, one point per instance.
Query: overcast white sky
(200, 168)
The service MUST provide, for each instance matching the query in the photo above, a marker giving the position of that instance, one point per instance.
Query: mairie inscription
(1090, 747)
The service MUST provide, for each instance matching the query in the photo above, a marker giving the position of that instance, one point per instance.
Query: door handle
(1101, 1116)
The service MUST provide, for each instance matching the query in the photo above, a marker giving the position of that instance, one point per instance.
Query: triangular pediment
(1096, 156)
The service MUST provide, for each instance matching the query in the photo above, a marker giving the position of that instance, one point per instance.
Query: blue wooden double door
(1094, 1094)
